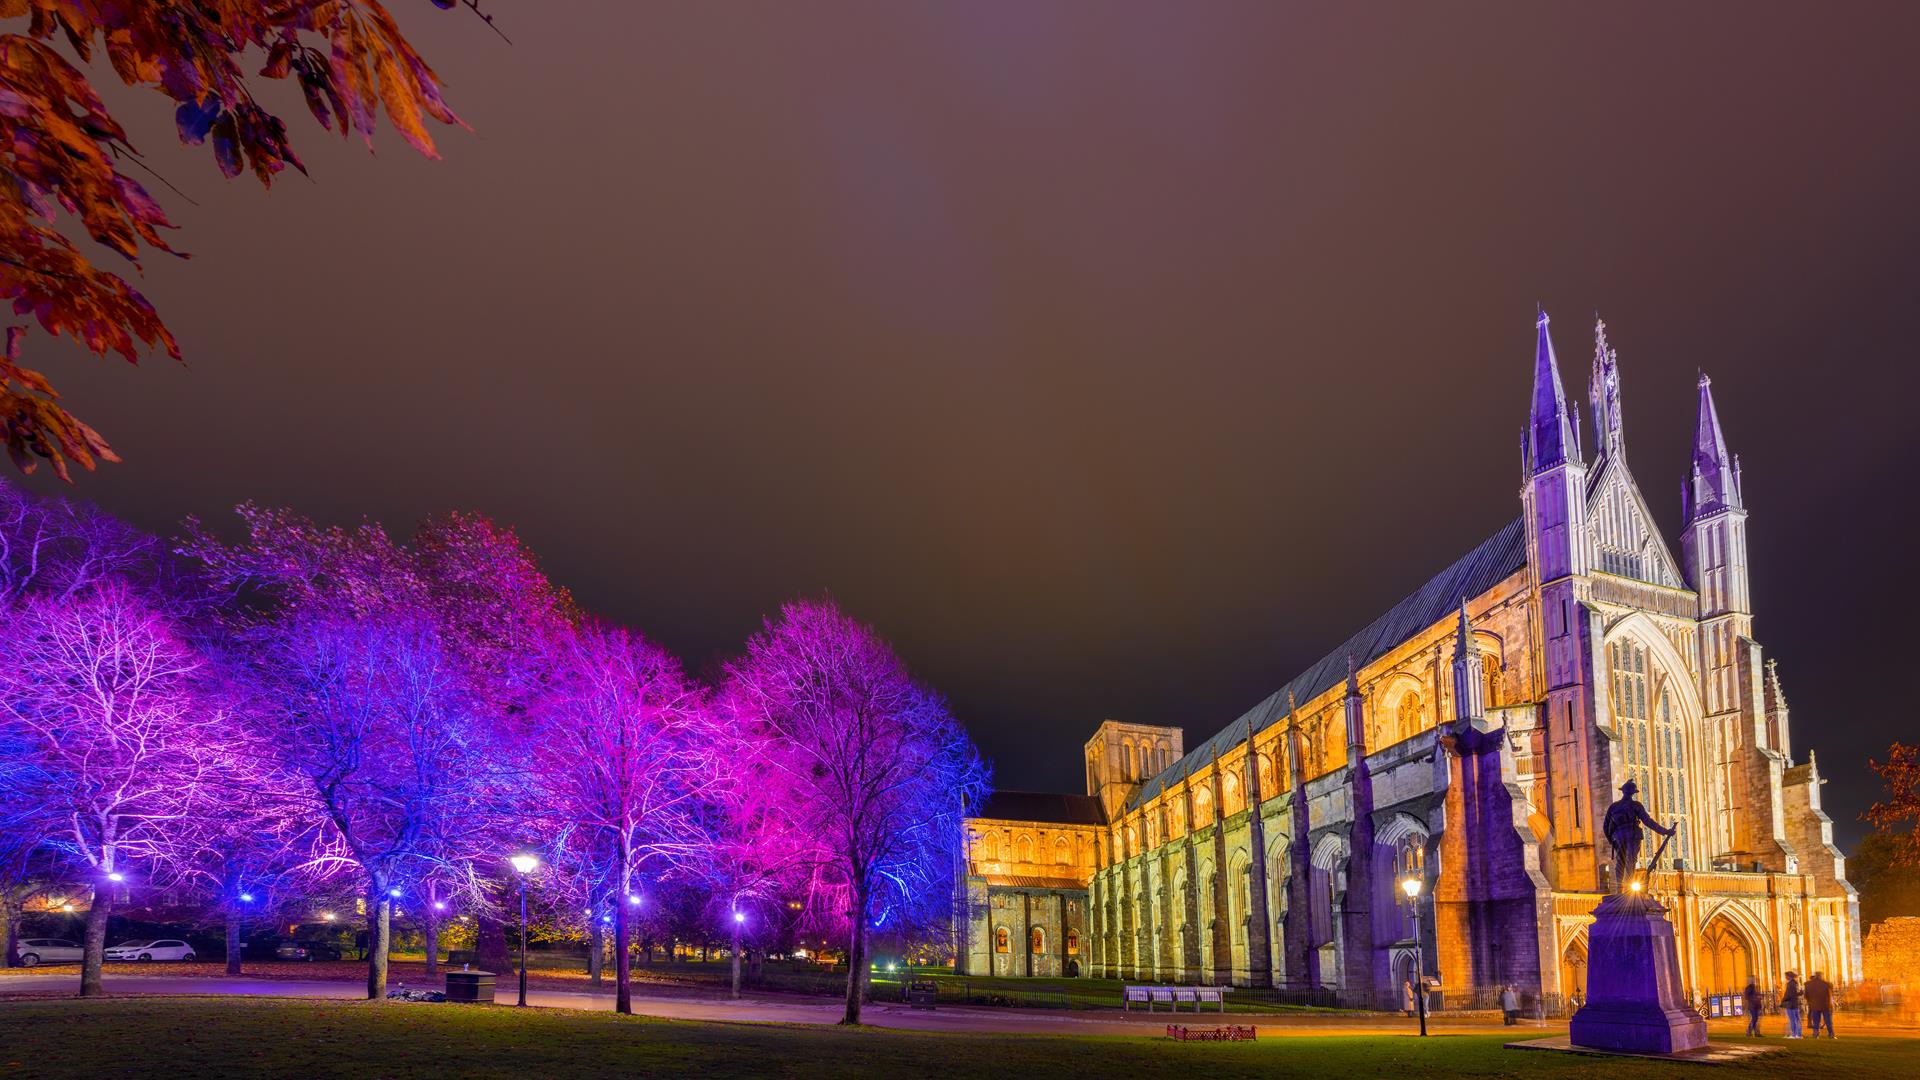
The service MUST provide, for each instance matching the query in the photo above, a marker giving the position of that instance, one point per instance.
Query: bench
(1174, 996)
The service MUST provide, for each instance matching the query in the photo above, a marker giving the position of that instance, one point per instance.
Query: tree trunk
(94, 946)
(857, 952)
(430, 932)
(622, 959)
(736, 958)
(596, 949)
(379, 928)
(489, 943)
(10, 915)
(233, 939)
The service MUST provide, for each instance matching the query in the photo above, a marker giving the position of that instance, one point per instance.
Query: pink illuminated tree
(624, 766)
(102, 694)
(873, 764)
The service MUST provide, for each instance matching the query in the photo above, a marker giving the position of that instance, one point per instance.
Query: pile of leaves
(66, 157)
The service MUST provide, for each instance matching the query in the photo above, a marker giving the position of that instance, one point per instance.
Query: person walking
(1407, 989)
(1820, 1004)
(1510, 1004)
(1751, 999)
(1790, 1004)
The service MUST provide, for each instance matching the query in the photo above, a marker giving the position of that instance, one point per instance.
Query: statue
(1622, 826)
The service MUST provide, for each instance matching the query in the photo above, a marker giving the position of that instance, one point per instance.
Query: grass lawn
(223, 1037)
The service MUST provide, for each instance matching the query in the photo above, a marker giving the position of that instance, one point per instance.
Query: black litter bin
(470, 986)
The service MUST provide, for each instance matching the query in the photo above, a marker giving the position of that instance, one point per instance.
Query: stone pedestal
(1633, 983)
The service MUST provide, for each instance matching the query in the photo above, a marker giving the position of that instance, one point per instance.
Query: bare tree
(873, 763)
(101, 691)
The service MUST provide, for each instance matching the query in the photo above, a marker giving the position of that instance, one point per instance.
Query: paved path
(798, 1010)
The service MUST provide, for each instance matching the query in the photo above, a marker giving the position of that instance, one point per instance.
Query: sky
(1114, 360)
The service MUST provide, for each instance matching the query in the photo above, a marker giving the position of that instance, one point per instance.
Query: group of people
(1816, 997)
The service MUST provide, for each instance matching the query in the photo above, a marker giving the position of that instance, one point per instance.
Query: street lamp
(1411, 886)
(523, 865)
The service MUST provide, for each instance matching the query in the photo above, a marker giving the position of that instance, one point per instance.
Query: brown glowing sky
(1116, 360)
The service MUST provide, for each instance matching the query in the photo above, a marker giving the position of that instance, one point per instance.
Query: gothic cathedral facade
(1471, 738)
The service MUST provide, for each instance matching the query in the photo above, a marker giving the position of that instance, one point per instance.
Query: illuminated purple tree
(872, 763)
(624, 766)
(102, 694)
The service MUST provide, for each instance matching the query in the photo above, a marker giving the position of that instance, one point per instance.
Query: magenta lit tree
(102, 694)
(873, 764)
(624, 761)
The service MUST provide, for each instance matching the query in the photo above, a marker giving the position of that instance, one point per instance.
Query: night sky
(1114, 360)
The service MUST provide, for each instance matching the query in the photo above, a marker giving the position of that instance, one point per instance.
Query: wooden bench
(1173, 996)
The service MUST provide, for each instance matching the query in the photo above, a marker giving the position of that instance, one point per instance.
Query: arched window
(1409, 715)
(1130, 762)
(1202, 807)
(1231, 802)
(1000, 939)
(1062, 853)
(1073, 942)
(1269, 783)
(1490, 675)
(1037, 941)
(1023, 849)
(1652, 741)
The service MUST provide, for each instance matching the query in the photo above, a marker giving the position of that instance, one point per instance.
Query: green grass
(225, 1037)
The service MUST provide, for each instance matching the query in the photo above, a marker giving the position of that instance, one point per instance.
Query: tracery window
(1409, 714)
(1654, 744)
(1202, 807)
(1061, 853)
(1230, 795)
(1490, 675)
(1269, 785)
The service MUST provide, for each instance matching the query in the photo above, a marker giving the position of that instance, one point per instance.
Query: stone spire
(1469, 689)
(1356, 716)
(1715, 483)
(1604, 390)
(1551, 438)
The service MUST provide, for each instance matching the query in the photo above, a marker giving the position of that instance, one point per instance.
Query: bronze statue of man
(1622, 826)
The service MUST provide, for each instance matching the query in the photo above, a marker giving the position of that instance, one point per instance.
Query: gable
(1625, 541)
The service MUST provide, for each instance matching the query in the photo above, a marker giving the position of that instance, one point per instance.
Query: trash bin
(470, 986)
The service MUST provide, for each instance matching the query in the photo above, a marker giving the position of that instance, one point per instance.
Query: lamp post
(1411, 886)
(523, 865)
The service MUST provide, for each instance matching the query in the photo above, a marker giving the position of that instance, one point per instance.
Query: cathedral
(1466, 742)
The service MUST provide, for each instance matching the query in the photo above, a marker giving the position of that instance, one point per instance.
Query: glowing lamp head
(634, 899)
(246, 898)
(739, 916)
(439, 905)
(524, 864)
(393, 892)
(326, 916)
(66, 907)
(1635, 886)
(116, 876)
(1410, 886)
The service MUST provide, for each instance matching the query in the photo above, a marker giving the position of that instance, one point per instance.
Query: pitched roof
(1042, 806)
(1493, 561)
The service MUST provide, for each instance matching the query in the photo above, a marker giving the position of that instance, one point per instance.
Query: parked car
(165, 949)
(37, 951)
(290, 949)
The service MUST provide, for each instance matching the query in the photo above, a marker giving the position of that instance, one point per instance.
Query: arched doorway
(1726, 957)
(1573, 970)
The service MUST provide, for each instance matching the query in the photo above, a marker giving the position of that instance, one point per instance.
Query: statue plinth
(1633, 982)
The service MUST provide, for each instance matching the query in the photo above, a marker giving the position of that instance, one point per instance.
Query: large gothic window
(1490, 675)
(1231, 802)
(1653, 741)
(1269, 785)
(1202, 807)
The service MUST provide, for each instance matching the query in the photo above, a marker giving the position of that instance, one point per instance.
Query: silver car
(151, 950)
(37, 951)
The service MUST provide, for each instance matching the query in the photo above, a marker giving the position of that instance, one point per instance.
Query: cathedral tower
(1558, 543)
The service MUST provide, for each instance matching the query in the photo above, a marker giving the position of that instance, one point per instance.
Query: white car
(151, 950)
(37, 951)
